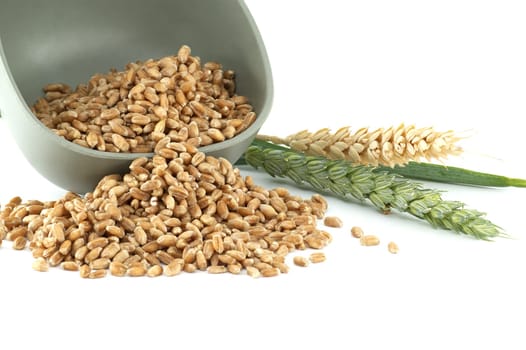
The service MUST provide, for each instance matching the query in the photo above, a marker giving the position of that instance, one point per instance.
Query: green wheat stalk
(382, 189)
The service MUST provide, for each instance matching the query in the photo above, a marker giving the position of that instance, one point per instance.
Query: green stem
(450, 174)
(382, 189)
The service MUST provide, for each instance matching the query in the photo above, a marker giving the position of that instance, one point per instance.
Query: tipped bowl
(68, 41)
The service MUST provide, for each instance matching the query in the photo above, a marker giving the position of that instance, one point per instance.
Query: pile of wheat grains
(177, 211)
(131, 110)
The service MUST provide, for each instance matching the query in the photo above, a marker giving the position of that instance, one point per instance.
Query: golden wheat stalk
(391, 146)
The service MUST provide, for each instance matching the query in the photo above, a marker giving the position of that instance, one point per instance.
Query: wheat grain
(117, 269)
(155, 271)
(70, 266)
(301, 261)
(97, 274)
(356, 232)
(137, 271)
(333, 221)
(253, 271)
(19, 243)
(270, 272)
(369, 240)
(84, 271)
(40, 264)
(317, 257)
(392, 247)
(174, 268)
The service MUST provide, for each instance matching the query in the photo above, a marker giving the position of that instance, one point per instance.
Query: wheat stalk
(384, 190)
(391, 146)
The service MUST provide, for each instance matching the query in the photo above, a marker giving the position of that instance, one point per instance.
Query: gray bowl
(68, 41)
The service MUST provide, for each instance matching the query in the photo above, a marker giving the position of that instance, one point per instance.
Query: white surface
(450, 64)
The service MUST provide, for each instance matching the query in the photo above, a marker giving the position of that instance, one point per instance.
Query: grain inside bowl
(131, 110)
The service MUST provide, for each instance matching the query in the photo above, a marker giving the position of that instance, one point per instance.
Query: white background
(449, 64)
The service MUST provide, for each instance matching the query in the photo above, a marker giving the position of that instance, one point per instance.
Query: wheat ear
(389, 147)
(382, 189)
